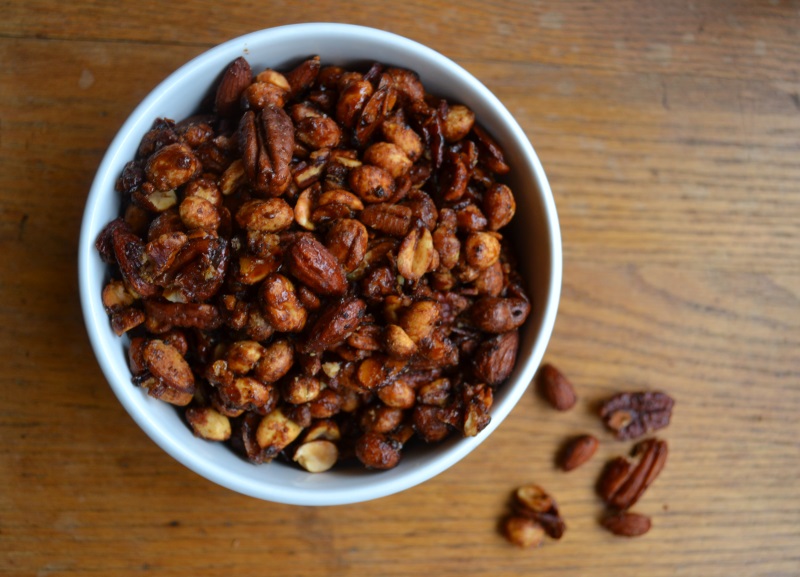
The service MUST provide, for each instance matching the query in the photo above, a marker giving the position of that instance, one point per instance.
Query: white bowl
(536, 231)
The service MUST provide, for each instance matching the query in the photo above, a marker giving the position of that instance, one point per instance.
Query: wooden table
(670, 132)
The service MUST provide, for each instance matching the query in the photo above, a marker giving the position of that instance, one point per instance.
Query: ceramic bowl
(535, 230)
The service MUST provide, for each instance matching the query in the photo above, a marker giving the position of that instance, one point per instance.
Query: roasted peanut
(280, 304)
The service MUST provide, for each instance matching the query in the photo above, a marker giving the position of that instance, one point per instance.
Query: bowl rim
(385, 485)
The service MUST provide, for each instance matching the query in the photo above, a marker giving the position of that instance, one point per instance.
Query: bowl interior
(535, 229)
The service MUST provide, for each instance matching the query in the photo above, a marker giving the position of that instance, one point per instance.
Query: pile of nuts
(315, 267)
(622, 482)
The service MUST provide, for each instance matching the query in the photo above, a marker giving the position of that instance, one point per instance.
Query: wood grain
(671, 136)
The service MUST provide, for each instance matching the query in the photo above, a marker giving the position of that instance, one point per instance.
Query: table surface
(670, 132)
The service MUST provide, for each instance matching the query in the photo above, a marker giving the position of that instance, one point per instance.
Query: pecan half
(621, 484)
(266, 142)
(632, 415)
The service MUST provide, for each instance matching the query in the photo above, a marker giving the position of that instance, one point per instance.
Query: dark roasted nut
(391, 219)
(495, 358)
(632, 415)
(267, 144)
(577, 451)
(626, 524)
(371, 183)
(167, 365)
(376, 451)
(171, 166)
(314, 265)
(481, 250)
(276, 360)
(335, 325)
(271, 215)
(389, 157)
(499, 315)
(498, 206)
(556, 388)
(457, 122)
(197, 212)
(621, 485)
(280, 304)
(347, 240)
(235, 79)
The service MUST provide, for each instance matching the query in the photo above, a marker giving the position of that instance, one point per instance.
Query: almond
(236, 78)
(555, 387)
(627, 524)
(577, 452)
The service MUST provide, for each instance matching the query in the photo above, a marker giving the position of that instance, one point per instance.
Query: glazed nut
(376, 451)
(391, 219)
(316, 456)
(499, 315)
(347, 241)
(482, 250)
(301, 389)
(242, 356)
(627, 524)
(154, 200)
(371, 183)
(419, 319)
(208, 424)
(318, 132)
(389, 157)
(233, 178)
(499, 206)
(261, 94)
(315, 266)
(556, 388)
(280, 305)
(523, 532)
(398, 394)
(116, 296)
(171, 166)
(276, 431)
(167, 365)
(271, 215)
(326, 429)
(415, 254)
(235, 79)
(577, 451)
(532, 501)
(397, 132)
(398, 343)
(495, 358)
(457, 122)
(197, 212)
(276, 360)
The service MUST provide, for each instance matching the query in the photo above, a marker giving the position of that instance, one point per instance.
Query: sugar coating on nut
(316, 267)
